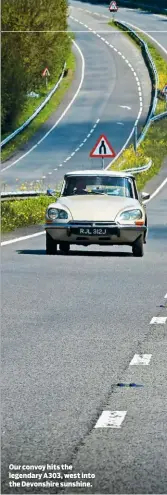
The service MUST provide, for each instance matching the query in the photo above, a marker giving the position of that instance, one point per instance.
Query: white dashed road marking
(165, 296)
(158, 320)
(80, 146)
(137, 82)
(151, 37)
(72, 154)
(111, 419)
(141, 359)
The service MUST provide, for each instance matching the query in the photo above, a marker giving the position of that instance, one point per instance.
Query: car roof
(99, 172)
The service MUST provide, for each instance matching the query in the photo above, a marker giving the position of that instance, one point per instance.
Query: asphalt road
(112, 97)
(70, 327)
(155, 25)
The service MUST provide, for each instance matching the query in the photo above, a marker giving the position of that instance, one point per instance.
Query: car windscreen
(108, 185)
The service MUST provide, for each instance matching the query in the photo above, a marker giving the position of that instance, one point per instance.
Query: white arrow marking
(111, 419)
(143, 359)
(124, 106)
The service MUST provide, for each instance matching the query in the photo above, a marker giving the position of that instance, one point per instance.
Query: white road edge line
(5, 243)
(110, 419)
(61, 117)
(140, 100)
(83, 72)
(157, 190)
(17, 239)
(146, 33)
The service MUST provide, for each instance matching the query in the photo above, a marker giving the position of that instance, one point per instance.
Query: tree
(26, 51)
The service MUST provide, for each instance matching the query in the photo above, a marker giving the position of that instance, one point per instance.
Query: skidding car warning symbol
(102, 149)
(113, 7)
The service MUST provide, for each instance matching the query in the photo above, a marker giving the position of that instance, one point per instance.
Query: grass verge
(31, 211)
(161, 66)
(154, 146)
(45, 113)
(21, 213)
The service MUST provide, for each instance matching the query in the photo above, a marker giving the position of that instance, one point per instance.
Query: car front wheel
(137, 248)
(64, 247)
(51, 246)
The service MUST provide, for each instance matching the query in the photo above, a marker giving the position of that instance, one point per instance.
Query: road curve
(155, 25)
(115, 92)
(71, 326)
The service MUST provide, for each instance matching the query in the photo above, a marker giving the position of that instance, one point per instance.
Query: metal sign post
(45, 74)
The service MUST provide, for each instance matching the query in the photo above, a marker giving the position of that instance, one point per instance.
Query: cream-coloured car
(97, 207)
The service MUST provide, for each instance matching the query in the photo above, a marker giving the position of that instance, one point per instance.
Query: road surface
(71, 326)
(115, 92)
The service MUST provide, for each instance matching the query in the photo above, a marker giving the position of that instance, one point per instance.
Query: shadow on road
(103, 254)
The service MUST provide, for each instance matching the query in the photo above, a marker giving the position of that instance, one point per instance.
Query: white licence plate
(93, 231)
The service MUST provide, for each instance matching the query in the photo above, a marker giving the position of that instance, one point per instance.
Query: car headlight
(55, 214)
(129, 216)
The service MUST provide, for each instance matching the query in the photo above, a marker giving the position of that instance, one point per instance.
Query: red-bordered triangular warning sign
(45, 72)
(113, 4)
(102, 149)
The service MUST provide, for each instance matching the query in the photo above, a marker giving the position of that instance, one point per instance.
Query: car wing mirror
(50, 192)
(144, 196)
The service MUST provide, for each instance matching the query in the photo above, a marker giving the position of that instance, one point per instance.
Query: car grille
(91, 223)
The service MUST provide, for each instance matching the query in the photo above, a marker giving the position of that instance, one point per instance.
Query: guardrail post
(135, 138)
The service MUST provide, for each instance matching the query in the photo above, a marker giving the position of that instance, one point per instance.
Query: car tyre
(137, 248)
(51, 246)
(64, 247)
(145, 234)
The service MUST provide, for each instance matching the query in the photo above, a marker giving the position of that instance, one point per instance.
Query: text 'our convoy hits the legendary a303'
(97, 207)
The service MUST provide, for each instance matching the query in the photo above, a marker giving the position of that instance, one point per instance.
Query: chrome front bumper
(116, 234)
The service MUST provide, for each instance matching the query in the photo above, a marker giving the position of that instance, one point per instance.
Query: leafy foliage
(34, 36)
(153, 147)
(20, 213)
